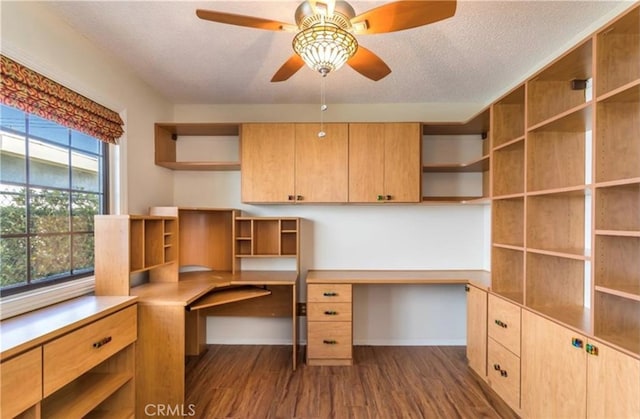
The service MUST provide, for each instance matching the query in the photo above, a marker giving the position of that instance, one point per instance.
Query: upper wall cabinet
(384, 162)
(290, 163)
(214, 145)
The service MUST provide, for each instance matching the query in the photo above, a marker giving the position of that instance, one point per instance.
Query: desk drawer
(70, 356)
(329, 312)
(21, 382)
(317, 293)
(504, 373)
(503, 323)
(329, 340)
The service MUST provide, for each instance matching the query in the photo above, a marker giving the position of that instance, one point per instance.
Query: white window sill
(14, 305)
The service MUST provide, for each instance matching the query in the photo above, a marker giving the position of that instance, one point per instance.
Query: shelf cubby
(508, 117)
(555, 287)
(617, 321)
(507, 273)
(550, 92)
(136, 244)
(266, 237)
(617, 209)
(556, 223)
(618, 52)
(556, 152)
(617, 265)
(153, 243)
(617, 141)
(508, 221)
(508, 169)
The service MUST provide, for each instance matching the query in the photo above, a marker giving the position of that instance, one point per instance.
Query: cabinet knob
(331, 313)
(591, 349)
(329, 342)
(576, 342)
(102, 342)
(501, 323)
(380, 197)
(496, 367)
(330, 294)
(387, 197)
(466, 288)
(290, 197)
(299, 198)
(503, 373)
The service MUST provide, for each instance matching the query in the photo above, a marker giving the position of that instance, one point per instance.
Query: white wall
(37, 38)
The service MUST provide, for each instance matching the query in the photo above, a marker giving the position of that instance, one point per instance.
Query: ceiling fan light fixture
(325, 48)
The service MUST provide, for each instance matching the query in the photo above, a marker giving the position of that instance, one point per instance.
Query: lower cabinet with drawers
(329, 324)
(75, 359)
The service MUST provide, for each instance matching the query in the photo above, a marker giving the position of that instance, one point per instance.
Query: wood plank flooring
(252, 382)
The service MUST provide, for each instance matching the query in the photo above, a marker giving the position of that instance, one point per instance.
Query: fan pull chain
(323, 105)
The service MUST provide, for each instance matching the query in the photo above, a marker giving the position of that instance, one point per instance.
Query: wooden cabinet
(566, 374)
(477, 329)
(290, 163)
(384, 162)
(503, 352)
(329, 324)
(267, 158)
(72, 359)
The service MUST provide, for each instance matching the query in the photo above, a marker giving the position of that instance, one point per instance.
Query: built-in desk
(172, 323)
(330, 304)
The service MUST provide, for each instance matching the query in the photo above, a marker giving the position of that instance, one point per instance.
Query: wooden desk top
(193, 285)
(481, 279)
(29, 330)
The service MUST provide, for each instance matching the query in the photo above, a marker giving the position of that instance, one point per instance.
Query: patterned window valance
(32, 92)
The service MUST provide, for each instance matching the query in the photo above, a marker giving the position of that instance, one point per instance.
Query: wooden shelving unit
(266, 237)
(168, 134)
(451, 176)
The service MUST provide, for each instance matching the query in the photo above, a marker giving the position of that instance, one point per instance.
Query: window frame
(103, 154)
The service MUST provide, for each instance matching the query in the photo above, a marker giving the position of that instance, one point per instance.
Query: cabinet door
(553, 370)
(402, 162)
(366, 162)
(477, 330)
(321, 172)
(613, 384)
(267, 161)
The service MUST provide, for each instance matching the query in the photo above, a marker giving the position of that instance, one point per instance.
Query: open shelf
(167, 135)
(81, 396)
(151, 242)
(508, 170)
(507, 273)
(508, 117)
(262, 237)
(550, 93)
(556, 152)
(576, 317)
(618, 320)
(617, 141)
(508, 221)
(618, 54)
(617, 266)
(617, 208)
(475, 166)
(556, 223)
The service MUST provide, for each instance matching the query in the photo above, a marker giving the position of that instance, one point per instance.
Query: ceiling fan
(325, 32)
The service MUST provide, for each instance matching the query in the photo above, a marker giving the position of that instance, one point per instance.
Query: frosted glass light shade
(325, 48)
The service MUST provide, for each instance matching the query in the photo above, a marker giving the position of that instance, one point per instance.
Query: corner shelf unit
(456, 175)
(168, 134)
(565, 164)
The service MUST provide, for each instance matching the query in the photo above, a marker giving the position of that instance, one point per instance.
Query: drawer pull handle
(501, 324)
(503, 373)
(496, 367)
(330, 294)
(329, 342)
(331, 313)
(576, 342)
(592, 349)
(102, 342)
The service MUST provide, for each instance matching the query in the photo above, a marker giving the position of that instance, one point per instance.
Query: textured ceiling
(473, 57)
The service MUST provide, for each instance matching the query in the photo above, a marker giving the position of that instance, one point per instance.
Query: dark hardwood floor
(255, 382)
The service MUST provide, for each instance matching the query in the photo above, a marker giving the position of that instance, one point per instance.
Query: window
(52, 183)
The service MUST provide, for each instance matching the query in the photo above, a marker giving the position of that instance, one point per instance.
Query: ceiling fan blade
(241, 20)
(369, 64)
(288, 69)
(401, 15)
